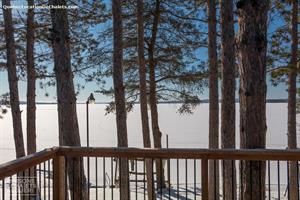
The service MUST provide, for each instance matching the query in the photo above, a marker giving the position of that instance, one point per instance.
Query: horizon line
(160, 102)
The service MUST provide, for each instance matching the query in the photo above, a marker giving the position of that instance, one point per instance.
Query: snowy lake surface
(188, 130)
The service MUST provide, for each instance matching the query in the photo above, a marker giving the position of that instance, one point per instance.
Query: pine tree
(31, 77)
(228, 96)
(213, 99)
(143, 97)
(13, 80)
(120, 95)
(292, 94)
(252, 49)
(66, 99)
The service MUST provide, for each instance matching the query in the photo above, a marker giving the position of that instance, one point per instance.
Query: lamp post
(90, 100)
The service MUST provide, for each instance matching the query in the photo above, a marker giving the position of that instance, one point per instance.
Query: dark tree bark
(143, 97)
(13, 80)
(252, 48)
(228, 96)
(120, 94)
(292, 94)
(213, 99)
(66, 99)
(31, 107)
(153, 96)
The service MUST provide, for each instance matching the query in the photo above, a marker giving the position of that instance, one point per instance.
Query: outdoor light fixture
(90, 100)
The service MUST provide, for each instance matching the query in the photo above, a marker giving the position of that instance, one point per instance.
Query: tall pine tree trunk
(292, 92)
(213, 184)
(143, 97)
(13, 80)
(120, 95)
(153, 97)
(228, 96)
(31, 107)
(66, 99)
(252, 48)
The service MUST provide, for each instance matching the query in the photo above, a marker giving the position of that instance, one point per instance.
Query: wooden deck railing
(58, 155)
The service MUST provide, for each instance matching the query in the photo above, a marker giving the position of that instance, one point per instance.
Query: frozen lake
(183, 130)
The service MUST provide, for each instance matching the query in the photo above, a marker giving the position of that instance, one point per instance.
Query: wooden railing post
(204, 179)
(59, 178)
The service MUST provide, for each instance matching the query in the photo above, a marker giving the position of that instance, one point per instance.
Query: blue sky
(273, 92)
(278, 92)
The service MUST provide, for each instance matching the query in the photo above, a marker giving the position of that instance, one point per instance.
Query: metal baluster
(298, 179)
(104, 178)
(186, 179)
(49, 171)
(112, 177)
(195, 180)
(96, 166)
(44, 179)
(10, 188)
(153, 176)
(288, 179)
(169, 178)
(278, 178)
(144, 177)
(241, 180)
(177, 178)
(215, 179)
(136, 183)
(88, 176)
(223, 172)
(269, 180)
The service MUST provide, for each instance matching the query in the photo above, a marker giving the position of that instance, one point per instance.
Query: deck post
(204, 178)
(59, 178)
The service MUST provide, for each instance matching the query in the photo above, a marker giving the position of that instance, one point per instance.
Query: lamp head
(91, 99)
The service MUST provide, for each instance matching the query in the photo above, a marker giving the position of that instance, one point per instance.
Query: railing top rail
(186, 153)
(23, 163)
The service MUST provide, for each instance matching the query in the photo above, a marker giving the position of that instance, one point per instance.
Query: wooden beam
(192, 153)
(59, 178)
(23, 163)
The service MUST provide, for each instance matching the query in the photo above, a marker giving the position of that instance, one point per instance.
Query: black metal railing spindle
(177, 163)
(186, 178)
(144, 177)
(96, 180)
(278, 179)
(195, 179)
(104, 178)
(49, 177)
(136, 179)
(169, 179)
(269, 180)
(112, 177)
